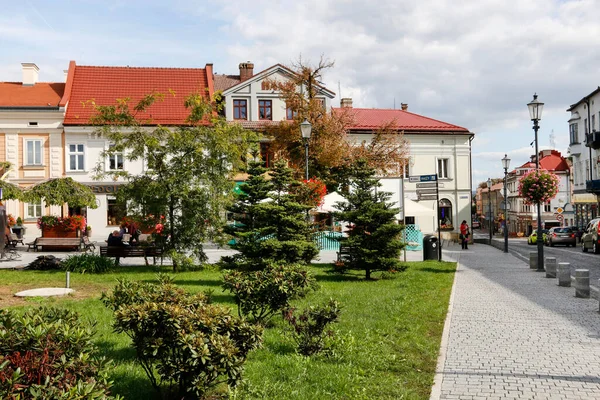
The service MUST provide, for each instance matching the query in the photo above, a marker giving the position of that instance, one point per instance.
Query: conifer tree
(373, 233)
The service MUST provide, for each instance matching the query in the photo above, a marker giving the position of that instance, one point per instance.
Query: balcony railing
(592, 140)
(593, 186)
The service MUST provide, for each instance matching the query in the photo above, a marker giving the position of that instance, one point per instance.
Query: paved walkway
(511, 333)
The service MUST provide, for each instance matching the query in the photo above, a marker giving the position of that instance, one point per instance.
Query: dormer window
(240, 109)
(265, 109)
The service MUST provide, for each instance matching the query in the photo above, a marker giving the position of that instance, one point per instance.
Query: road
(573, 255)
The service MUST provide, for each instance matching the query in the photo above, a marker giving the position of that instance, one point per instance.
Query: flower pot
(56, 231)
(19, 231)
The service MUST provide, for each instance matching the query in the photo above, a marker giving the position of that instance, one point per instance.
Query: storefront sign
(104, 189)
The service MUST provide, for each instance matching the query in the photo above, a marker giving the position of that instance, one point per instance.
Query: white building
(584, 145)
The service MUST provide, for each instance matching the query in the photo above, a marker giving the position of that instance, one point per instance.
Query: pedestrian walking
(464, 235)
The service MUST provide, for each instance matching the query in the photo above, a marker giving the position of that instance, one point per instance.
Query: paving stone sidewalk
(511, 333)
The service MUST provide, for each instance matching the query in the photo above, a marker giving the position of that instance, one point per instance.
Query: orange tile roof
(224, 82)
(551, 162)
(104, 85)
(14, 94)
(374, 118)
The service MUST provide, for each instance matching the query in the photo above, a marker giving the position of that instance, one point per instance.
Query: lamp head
(505, 162)
(489, 183)
(535, 108)
(305, 129)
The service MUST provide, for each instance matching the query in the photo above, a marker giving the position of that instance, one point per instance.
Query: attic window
(33, 124)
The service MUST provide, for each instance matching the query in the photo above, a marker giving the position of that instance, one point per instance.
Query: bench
(12, 240)
(344, 253)
(55, 243)
(130, 251)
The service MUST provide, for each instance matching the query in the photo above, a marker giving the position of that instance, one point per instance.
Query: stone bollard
(582, 283)
(533, 260)
(550, 267)
(563, 273)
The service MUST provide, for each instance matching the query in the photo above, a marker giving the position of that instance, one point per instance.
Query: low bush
(186, 346)
(260, 295)
(90, 263)
(48, 353)
(44, 263)
(308, 327)
(184, 262)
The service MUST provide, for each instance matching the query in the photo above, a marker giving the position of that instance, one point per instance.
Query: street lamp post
(535, 112)
(505, 165)
(490, 220)
(306, 129)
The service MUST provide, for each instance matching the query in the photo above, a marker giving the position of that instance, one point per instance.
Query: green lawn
(389, 332)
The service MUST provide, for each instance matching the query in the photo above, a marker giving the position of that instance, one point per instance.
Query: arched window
(445, 214)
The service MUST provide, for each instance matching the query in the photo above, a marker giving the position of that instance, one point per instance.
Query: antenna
(340, 92)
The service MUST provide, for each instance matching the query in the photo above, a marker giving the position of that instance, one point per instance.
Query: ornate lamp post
(505, 165)
(490, 220)
(535, 112)
(306, 129)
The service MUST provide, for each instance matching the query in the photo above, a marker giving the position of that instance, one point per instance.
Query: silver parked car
(560, 235)
(590, 238)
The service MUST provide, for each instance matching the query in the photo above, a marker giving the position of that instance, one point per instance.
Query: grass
(387, 345)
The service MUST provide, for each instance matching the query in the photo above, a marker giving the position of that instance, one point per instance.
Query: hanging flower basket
(538, 186)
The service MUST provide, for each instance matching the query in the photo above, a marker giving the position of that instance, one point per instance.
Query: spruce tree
(373, 232)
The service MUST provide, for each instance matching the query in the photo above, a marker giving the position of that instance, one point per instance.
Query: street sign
(560, 210)
(422, 178)
(560, 218)
(426, 191)
(429, 185)
(427, 197)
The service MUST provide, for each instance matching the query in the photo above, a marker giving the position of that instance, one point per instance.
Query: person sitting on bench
(115, 239)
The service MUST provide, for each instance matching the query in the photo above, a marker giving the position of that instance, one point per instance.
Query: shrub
(184, 262)
(90, 263)
(44, 263)
(259, 295)
(309, 326)
(186, 346)
(48, 353)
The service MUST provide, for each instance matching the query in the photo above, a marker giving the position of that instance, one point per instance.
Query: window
(593, 123)
(115, 161)
(266, 155)
(573, 134)
(442, 168)
(34, 152)
(114, 211)
(76, 158)
(289, 113)
(265, 108)
(585, 126)
(33, 210)
(405, 169)
(547, 207)
(445, 214)
(240, 109)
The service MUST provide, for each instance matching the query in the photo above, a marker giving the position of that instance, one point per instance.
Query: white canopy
(329, 202)
(414, 209)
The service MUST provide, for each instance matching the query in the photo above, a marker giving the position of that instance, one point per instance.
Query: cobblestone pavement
(511, 333)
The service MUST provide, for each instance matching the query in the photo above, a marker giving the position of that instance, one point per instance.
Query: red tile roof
(104, 85)
(224, 82)
(374, 118)
(14, 94)
(551, 162)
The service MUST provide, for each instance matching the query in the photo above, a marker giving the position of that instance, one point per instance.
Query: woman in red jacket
(464, 235)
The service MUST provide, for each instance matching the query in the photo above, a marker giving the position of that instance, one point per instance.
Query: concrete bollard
(582, 283)
(550, 267)
(563, 273)
(68, 280)
(533, 260)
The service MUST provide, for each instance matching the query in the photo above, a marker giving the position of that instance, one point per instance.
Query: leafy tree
(58, 191)
(274, 229)
(189, 171)
(373, 234)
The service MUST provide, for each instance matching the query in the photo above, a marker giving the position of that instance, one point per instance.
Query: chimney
(30, 74)
(346, 103)
(404, 106)
(66, 72)
(246, 71)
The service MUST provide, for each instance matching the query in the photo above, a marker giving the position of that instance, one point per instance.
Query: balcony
(593, 186)
(592, 140)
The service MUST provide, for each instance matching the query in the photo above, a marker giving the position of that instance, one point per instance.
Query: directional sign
(429, 185)
(426, 191)
(427, 197)
(422, 178)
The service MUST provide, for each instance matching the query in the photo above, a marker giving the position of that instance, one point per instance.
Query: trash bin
(430, 247)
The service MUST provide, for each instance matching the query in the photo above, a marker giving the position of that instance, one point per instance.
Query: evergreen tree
(373, 234)
(275, 230)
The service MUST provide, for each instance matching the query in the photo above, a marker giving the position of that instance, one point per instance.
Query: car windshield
(562, 230)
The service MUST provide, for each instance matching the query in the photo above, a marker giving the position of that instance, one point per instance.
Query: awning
(584, 198)
(329, 202)
(414, 209)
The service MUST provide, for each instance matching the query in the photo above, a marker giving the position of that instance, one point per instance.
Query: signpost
(428, 189)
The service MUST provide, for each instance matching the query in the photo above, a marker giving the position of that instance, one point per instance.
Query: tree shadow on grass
(113, 352)
(132, 386)
(437, 270)
(337, 277)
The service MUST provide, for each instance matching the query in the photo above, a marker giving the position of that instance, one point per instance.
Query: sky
(473, 63)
